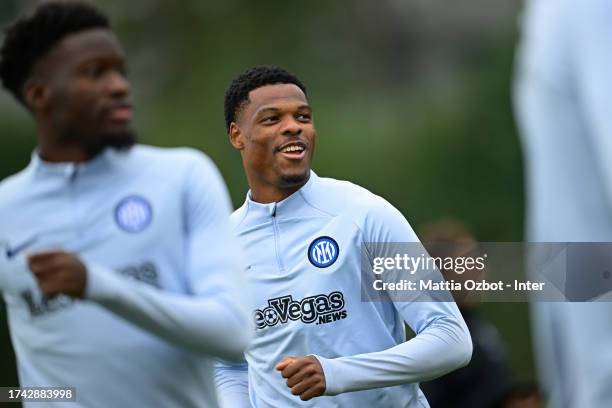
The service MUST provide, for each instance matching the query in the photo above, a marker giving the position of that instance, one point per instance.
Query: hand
(59, 272)
(304, 376)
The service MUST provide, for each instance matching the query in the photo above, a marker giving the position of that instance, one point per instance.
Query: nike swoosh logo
(12, 252)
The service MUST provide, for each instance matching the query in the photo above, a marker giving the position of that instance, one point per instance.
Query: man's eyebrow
(271, 109)
(91, 55)
(267, 110)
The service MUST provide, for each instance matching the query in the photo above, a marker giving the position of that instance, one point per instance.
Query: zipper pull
(272, 210)
(72, 172)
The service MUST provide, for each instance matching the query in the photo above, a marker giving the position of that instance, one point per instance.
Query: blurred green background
(411, 100)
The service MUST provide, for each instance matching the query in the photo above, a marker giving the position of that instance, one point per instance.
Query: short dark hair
(237, 95)
(30, 37)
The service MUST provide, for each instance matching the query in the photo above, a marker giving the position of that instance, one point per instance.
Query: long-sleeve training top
(164, 281)
(304, 255)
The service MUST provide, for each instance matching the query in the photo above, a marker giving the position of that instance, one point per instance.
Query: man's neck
(272, 195)
(50, 150)
(65, 154)
(265, 193)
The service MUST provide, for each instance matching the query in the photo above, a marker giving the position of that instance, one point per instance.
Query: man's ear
(36, 95)
(236, 136)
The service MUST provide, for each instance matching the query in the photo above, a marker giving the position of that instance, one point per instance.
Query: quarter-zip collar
(272, 215)
(69, 170)
(287, 207)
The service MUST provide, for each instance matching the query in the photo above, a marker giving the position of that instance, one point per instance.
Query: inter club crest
(323, 252)
(133, 214)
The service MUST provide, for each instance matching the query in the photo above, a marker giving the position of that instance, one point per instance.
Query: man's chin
(116, 141)
(120, 142)
(295, 179)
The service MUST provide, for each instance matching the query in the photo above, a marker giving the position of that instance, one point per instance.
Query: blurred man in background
(563, 95)
(118, 265)
(304, 236)
(487, 381)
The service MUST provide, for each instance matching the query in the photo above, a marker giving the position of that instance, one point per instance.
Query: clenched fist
(304, 376)
(59, 272)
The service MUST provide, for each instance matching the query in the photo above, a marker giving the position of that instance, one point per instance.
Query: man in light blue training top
(117, 262)
(303, 235)
(563, 99)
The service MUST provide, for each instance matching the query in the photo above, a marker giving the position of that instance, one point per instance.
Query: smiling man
(118, 266)
(317, 343)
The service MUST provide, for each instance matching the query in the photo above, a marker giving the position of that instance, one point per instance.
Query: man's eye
(269, 119)
(93, 71)
(304, 117)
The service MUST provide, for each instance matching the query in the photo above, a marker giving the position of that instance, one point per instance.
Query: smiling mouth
(121, 114)
(293, 151)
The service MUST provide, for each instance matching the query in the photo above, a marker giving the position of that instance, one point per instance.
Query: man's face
(276, 136)
(88, 92)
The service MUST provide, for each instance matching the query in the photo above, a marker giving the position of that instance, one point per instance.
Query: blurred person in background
(318, 343)
(563, 95)
(118, 265)
(487, 381)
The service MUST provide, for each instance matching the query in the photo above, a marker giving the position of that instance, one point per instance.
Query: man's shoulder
(14, 183)
(358, 204)
(342, 197)
(14, 191)
(180, 164)
(177, 156)
(238, 215)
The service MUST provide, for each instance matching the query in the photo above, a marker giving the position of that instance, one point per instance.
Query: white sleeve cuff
(331, 386)
(15, 276)
(101, 282)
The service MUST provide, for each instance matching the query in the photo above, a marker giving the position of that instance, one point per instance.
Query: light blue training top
(304, 255)
(164, 280)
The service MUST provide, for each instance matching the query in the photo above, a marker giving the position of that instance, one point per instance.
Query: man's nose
(118, 84)
(291, 127)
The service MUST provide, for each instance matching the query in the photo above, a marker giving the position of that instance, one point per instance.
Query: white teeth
(293, 148)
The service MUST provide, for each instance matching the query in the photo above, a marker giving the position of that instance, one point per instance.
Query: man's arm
(232, 383)
(442, 344)
(591, 52)
(214, 318)
(15, 277)
(442, 341)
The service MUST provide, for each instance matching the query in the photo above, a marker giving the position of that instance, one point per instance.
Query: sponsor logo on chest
(318, 309)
